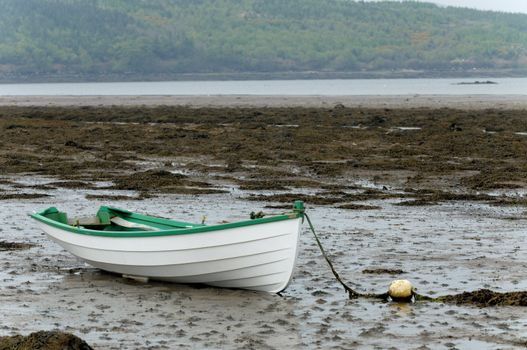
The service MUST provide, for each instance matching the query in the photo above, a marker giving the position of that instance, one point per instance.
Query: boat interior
(113, 219)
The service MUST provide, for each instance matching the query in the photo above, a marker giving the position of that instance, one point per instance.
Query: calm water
(335, 87)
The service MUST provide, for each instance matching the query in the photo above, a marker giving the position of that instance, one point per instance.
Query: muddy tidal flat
(424, 192)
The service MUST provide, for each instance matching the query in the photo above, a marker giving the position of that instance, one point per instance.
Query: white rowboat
(257, 254)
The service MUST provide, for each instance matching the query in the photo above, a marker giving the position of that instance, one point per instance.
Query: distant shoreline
(478, 102)
(6, 78)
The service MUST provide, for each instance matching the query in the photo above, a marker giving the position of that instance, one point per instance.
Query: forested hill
(97, 39)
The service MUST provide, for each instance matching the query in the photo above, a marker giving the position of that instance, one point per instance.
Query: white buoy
(401, 290)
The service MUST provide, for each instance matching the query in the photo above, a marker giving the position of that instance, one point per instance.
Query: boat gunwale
(39, 216)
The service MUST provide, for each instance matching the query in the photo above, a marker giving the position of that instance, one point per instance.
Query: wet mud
(369, 177)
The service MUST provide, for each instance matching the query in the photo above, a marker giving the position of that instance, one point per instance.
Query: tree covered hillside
(138, 38)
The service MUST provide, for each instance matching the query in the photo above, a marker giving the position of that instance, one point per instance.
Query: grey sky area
(494, 5)
(500, 5)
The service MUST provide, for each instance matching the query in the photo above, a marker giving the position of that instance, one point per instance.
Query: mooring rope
(352, 293)
(385, 296)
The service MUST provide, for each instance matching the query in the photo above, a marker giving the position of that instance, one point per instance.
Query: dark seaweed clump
(327, 147)
(44, 340)
(10, 196)
(8, 246)
(383, 271)
(162, 181)
(486, 297)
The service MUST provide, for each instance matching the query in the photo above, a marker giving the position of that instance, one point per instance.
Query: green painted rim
(160, 223)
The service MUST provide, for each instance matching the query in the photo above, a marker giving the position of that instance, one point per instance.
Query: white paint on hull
(257, 257)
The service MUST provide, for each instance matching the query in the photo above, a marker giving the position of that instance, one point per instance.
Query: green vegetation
(135, 38)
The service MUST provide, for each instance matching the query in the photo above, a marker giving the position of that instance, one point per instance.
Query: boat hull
(257, 257)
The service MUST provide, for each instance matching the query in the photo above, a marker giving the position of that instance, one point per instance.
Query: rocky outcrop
(44, 340)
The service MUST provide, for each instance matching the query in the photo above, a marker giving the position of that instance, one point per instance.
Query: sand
(403, 101)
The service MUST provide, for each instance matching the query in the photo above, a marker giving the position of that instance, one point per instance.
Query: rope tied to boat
(298, 208)
(483, 297)
(353, 294)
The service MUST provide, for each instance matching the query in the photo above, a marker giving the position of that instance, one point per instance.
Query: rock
(44, 340)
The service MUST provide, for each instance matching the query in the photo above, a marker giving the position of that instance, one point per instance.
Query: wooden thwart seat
(87, 221)
(124, 223)
(116, 220)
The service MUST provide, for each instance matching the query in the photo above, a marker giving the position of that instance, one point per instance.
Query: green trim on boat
(163, 227)
(54, 214)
